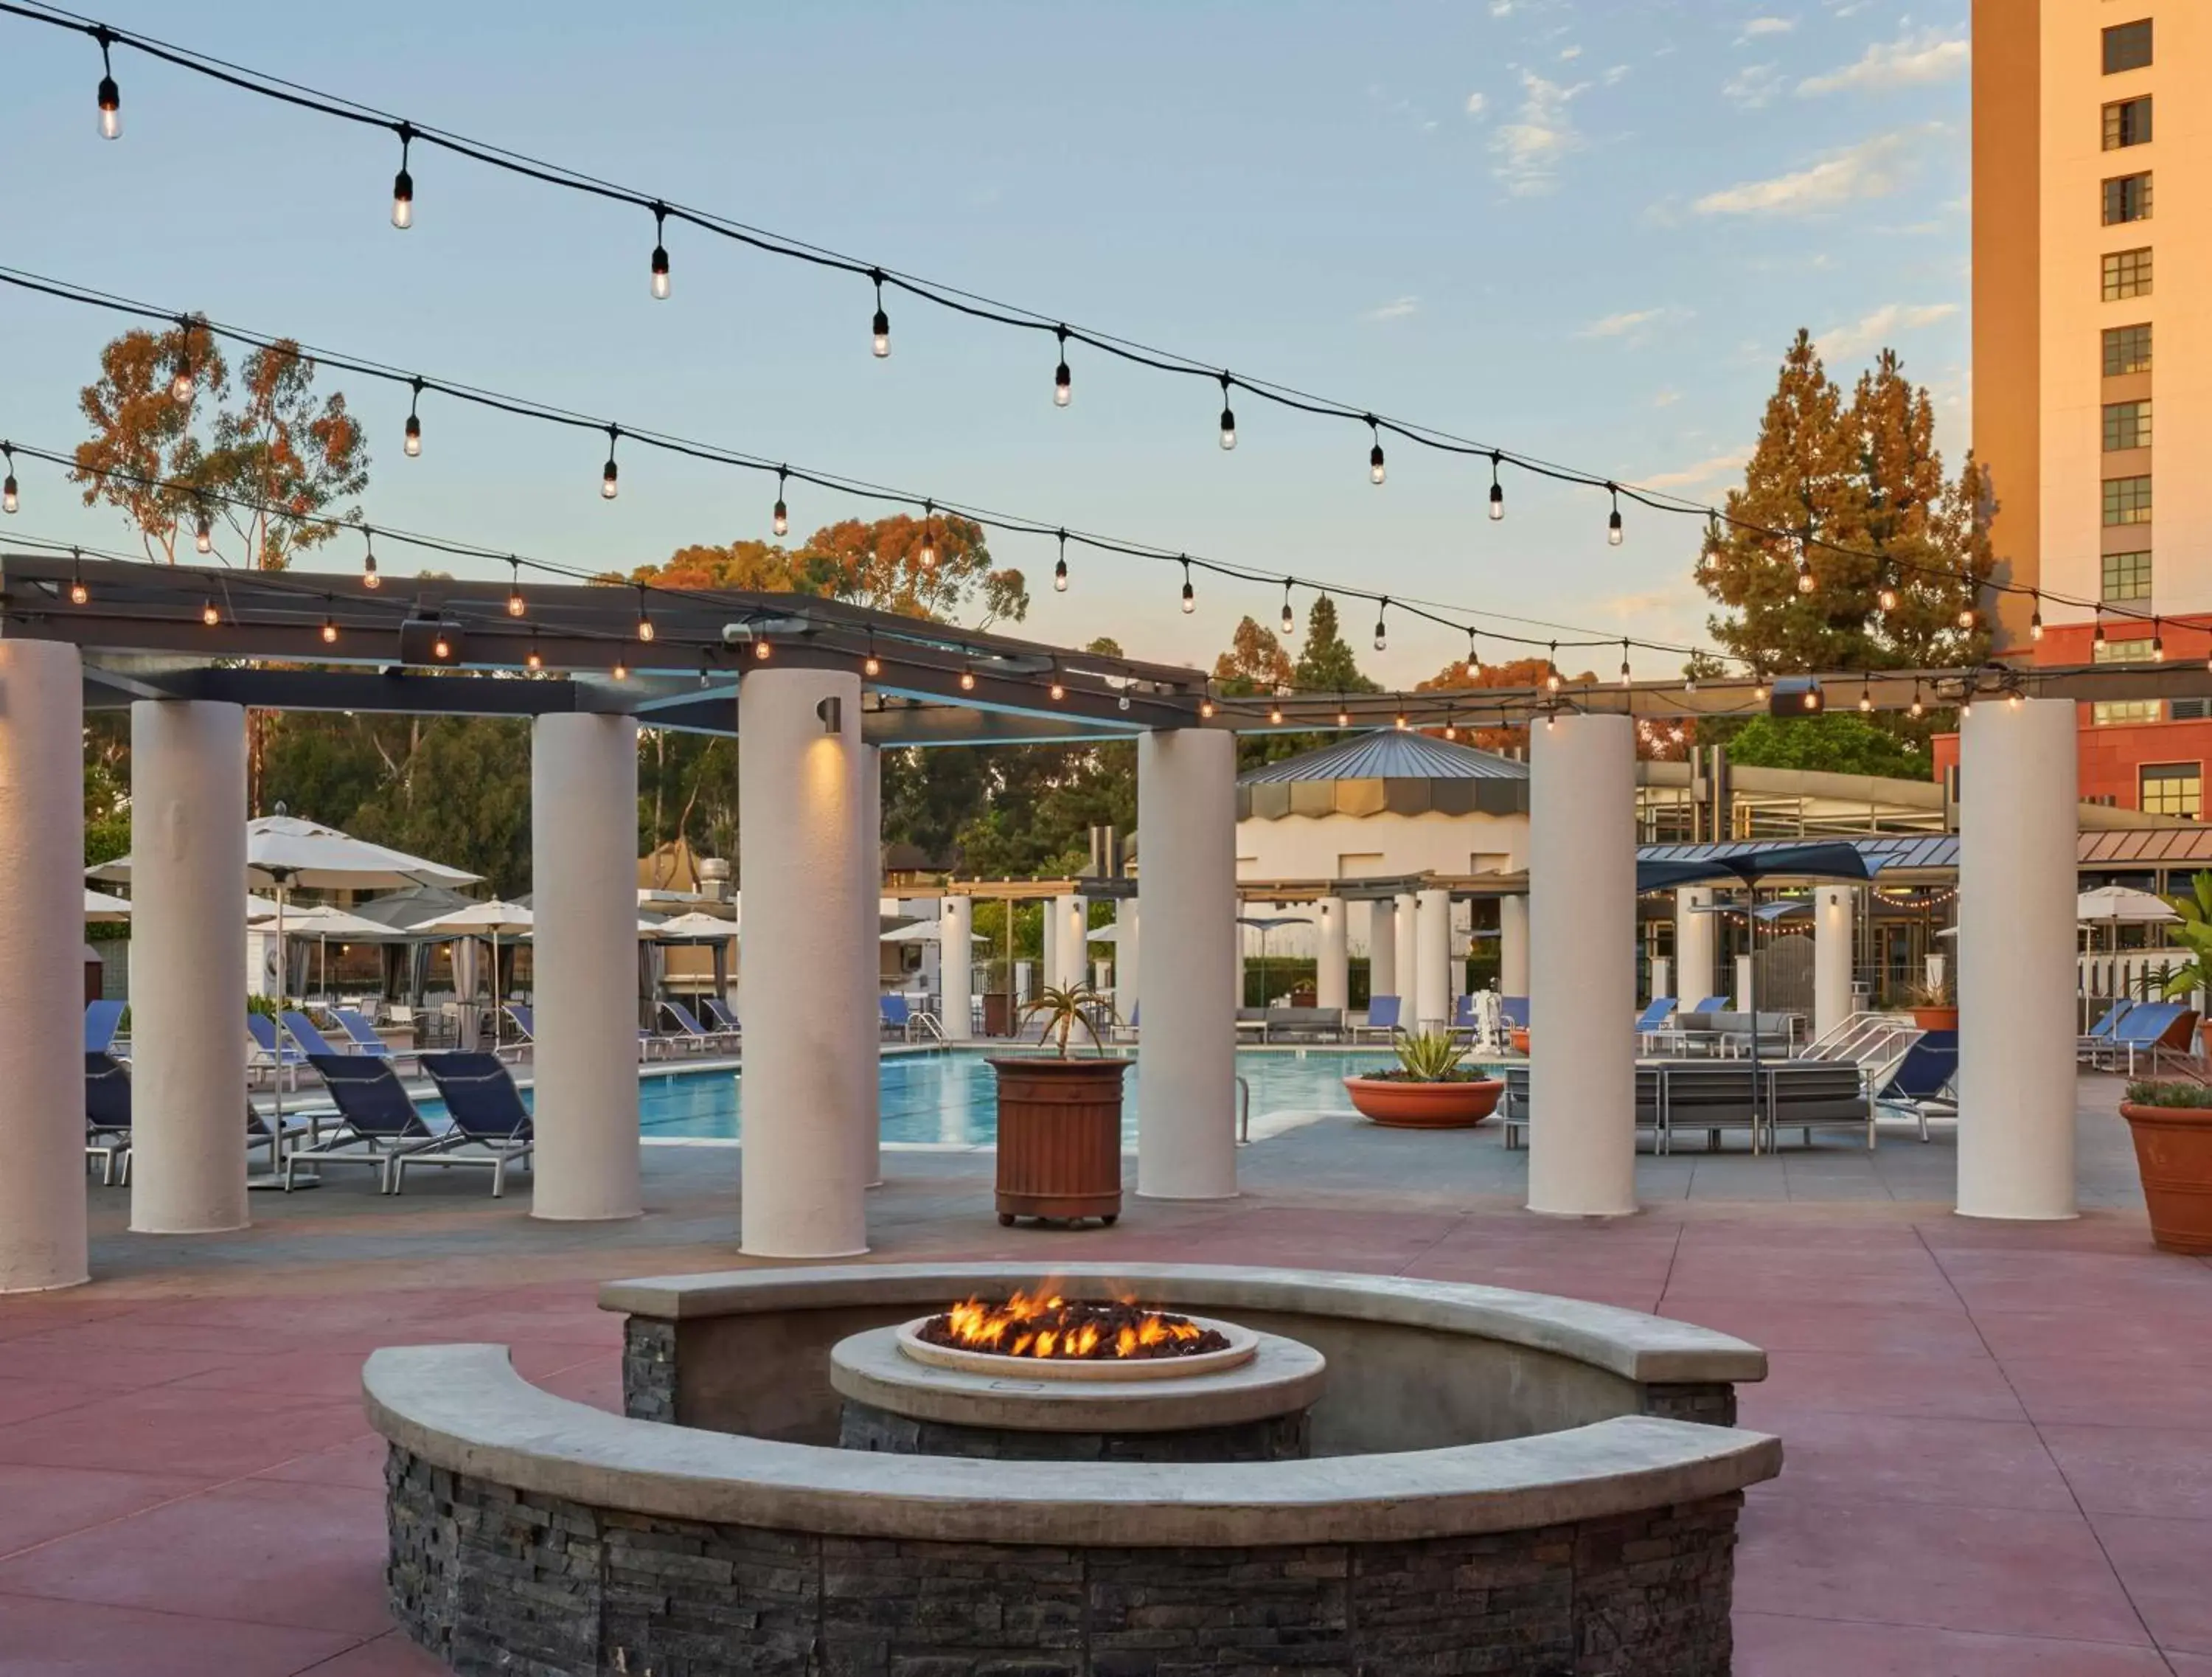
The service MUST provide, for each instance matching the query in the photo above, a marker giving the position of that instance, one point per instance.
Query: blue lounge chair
(1513, 1012)
(1382, 1019)
(1653, 1020)
(2100, 1033)
(361, 1036)
(377, 1122)
(303, 1032)
(1921, 1083)
(107, 1114)
(725, 1020)
(524, 1019)
(101, 1021)
(2145, 1030)
(688, 1031)
(1713, 1005)
(488, 1114)
(270, 1053)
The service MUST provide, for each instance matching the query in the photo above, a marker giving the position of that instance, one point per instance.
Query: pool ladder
(1243, 1113)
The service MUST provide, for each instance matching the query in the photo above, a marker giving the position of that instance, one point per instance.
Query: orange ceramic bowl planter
(1059, 1137)
(1398, 1104)
(2173, 1152)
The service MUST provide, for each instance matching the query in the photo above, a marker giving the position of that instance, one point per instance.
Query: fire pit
(1047, 1378)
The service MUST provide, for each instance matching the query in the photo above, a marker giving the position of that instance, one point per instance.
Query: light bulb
(644, 627)
(1401, 723)
(534, 659)
(1275, 714)
(1966, 618)
(1059, 575)
(111, 109)
(1381, 636)
(779, 521)
(402, 200)
(761, 651)
(1758, 693)
(1917, 708)
(9, 500)
(413, 446)
(181, 383)
(204, 535)
(441, 647)
(1290, 617)
(209, 616)
(78, 593)
(1228, 418)
(1123, 703)
(1058, 692)
(369, 579)
(1865, 699)
(660, 272)
(1344, 718)
(2158, 649)
(1613, 530)
(1805, 580)
(2035, 624)
(621, 670)
(610, 484)
(967, 681)
(1552, 678)
(871, 665)
(1374, 464)
(1063, 390)
(1497, 500)
(1451, 731)
(516, 606)
(927, 557)
(1189, 598)
(881, 325)
(1205, 709)
(1886, 600)
(330, 633)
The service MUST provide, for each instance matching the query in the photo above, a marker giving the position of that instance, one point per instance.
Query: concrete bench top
(463, 1407)
(1650, 1350)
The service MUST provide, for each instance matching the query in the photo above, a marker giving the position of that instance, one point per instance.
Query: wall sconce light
(831, 710)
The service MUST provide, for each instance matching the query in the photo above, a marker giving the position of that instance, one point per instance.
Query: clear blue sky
(1581, 230)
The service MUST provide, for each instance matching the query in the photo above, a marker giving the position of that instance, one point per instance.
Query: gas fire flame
(1047, 1325)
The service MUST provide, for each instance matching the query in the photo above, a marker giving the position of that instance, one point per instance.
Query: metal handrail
(1243, 1113)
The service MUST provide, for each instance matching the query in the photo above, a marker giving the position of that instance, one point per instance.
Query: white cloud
(1753, 86)
(1568, 54)
(1476, 104)
(1666, 398)
(1615, 75)
(1621, 326)
(1767, 26)
(1912, 61)
(1873, 328)
(1707, 470)
(1873, 168)
(1532, 146)
(1398, 308)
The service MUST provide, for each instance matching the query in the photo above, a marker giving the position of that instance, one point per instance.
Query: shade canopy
(2118, 905)
(100, 906)
(695, 929)
(321, 920)
(1752, 867)
(306, 855)
(479, 920)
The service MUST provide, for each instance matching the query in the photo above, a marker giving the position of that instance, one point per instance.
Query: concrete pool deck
(1998, 1436)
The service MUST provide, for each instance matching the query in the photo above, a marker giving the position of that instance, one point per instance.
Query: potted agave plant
(2172, 1123)
(1931, 1003)
(1060, 1114)
(1430, 1090)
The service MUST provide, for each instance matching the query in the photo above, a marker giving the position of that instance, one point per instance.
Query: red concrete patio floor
(1998, 1438)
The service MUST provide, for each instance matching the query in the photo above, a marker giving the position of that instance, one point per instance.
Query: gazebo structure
(813, 688)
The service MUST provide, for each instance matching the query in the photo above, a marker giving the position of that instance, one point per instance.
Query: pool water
(948, 1098)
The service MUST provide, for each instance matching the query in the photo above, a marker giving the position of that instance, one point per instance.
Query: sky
(1576, 230)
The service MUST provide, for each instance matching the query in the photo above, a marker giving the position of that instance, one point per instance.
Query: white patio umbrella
(322, 922)
(924, 931)
(2120, 905)
(694, 928)
(100, 906)
(492, 919)
(287, 853)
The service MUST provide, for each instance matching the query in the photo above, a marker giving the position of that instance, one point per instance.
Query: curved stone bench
(530, 1531)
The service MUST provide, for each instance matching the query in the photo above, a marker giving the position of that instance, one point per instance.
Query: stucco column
(956, 925)
(1431, 958)
(1048, 969)
(188, 930)
(1662, 977)
(2015, 983)
(1127, 921)
(1071, 915)
(1832, 958)
(1383, 952)
(1513, 945)
(1694, 944)
(1187, 811)
(42, 1222)
(1406, 982)
(808, 1050)
(583, 850)
(1581, 974)
(868, 956)
(1332, 969)
(1745, 965)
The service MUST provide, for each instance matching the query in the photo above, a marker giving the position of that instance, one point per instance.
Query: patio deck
(1999, 1437)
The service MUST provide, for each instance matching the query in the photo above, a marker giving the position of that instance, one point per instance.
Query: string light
(1916, 709)
(533, 660)
(208, 615)
(1759, 692)
(1612, 530)
(1275, 714)
(402, 183)
(1497, 489)
(1886, 600)
(762, 651)
(441, 647)
(1552, 669)
(1063, 389)
(78, 593)
(644, 618)
(329, 630)
(610, 484)
(369, 579)
(203, 533)
(1804, 571)
(1059, 692)
(111, 96)
(1206, 708)
(181, 382)
(1343, 716)
(929, 555)
(1866, 694)
(1228, 418)
(2035, 619)
(780, 520)
(1189, 593)
(1451, 731)
(881, 326)
(9, 498)
(1400, 722)
(2098, 637)
(1290, 617)
(1967, 617)
(1382, 630)
(660, 285)
(413, 446)
(967, 679)
(1625, 677)
(1060, 567)
(1474, 657)
(1375, 454)
(871, 665)
(622, 670)
(2157, 641)
(516, 606)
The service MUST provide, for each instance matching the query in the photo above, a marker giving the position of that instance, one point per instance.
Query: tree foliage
(1839, 742)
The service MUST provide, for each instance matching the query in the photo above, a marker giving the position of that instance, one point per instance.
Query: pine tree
(1326, 663)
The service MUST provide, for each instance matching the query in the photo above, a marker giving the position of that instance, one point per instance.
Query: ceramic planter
(1517, 1035)
(1398, 1104)
(1936, 1018)
(2173, 1153)
(1059, 1137)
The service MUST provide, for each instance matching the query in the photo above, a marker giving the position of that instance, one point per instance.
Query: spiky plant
(1430, 1056)
(1064, 1006)
(2194, 934)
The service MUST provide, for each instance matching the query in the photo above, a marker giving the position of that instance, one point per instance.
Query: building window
(2127, 47)
(2135, 649)
(2173, 789)
(2127, 500)
(2120, 712)
(2127, 123)
(2127, 425)
(2127, 577)
(2185, 710)
(2127, 274)
(2127, 198)
(2127, 349)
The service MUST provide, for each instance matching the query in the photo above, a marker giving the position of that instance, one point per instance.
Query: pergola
(813, 688)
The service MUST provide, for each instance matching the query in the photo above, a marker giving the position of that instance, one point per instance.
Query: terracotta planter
(1936, 1018)
(1059, 1137)
(1518, 1036)
(2173, 1154)
(1424, 1106)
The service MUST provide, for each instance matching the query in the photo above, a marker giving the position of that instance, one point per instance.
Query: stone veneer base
(490, 1579)
(862, 1427)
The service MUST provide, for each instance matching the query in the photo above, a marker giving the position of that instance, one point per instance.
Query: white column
(1187, 811)
(1126, 935)
(808, 1050)
(2016, 884)
(188, 924)
(1383, 952)
(42, 1222)
(1744, 964)
(1456, 954)
(868, 957)
(1072, 916)
(1582, 996)
(1693, 946)
(1432, 956)
(1513, 945)
(1832, 958)
(583, 851)
(957, 926)
(1662, 977)
(1332, 970)
(1406, 981)
(1048, 947)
